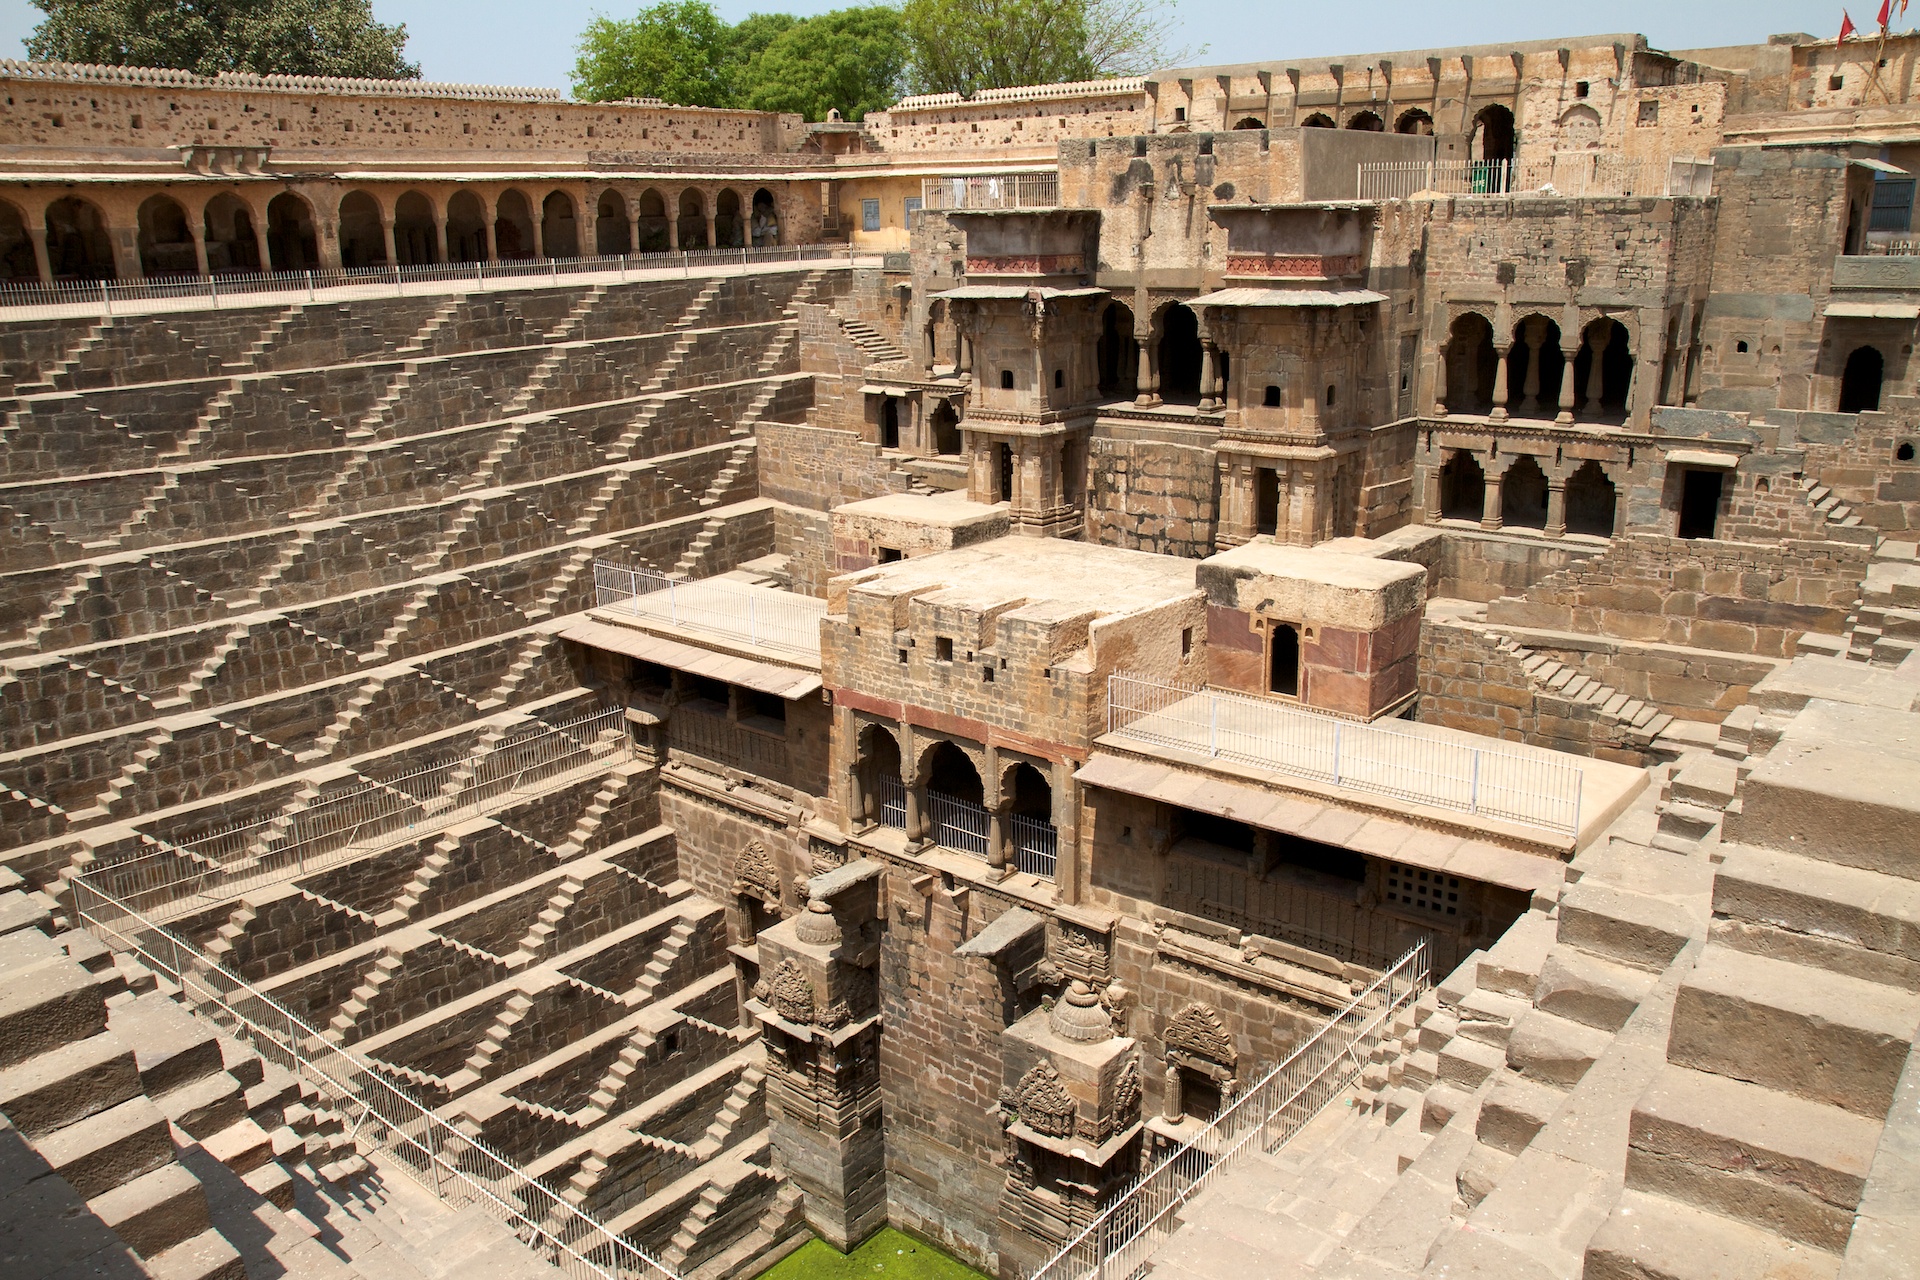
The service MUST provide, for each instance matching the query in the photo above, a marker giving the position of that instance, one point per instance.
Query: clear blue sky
(522, 43)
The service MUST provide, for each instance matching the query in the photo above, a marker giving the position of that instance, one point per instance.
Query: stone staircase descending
(880, 349)
(1639, 721)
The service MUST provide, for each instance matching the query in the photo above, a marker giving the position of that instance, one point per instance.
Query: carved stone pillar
(440, 234)
(996, 844)
(1440, 384)
(856, 802)
(1499, 412)
(1530, 385)
(386, 232)
(259, 242)
(1565, 415)
(673, 231)
(1556, 506)
(44, 262)
(1490, 508)
(1143, 377)
(198, 230)
(1208, 400)
(713, 233)
(1433, 495)
(1597, 339)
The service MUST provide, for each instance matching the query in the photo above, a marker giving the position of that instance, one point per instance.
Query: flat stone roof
(1073, 576)
(1314, 564)
(919, 508)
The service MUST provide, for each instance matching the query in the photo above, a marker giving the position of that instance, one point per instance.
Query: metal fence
(90, 297)
(1119, 1242)
(460, 1170)
(1036, 846)
(1568, 173)
(958, 824)
(1523, 784)
(334, 828)
(992, 191)
(965, 827)
(759, 616)
(891, 794)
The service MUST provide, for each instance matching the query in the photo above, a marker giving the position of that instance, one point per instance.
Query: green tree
(677, 50)
(853, 59)
(747, 40)
(962, 46)
(267, 37)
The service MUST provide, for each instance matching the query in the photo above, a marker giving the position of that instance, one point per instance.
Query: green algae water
(887, 1255)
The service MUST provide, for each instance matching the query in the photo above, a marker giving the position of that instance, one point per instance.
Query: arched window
(1006, 379)
(1523, 494)
(610, 225)
(653, 222)
(166, 240)
(1590, 501)
(466, 228)
(766, 220)
(1251, 122)
(1179, 355)
(17, 259)
(1283, 660)
(1367, 122)
(1493, 133)
(1603, 371)
(1272, 398)
(1318, 120)
(1534, 392)
(292, 244)
(78, 246)
(877, 771)
(362, 241)
(559, 231)
(1463, 487)
(415, 242)
(1416, 122)
(944, 426)
(1472, 364)
(693, 220)
(889, 423)
(231, 242)
(1860, 384)
(728, 231)
(513, 227)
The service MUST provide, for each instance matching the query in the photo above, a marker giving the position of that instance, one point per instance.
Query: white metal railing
(992, 191)
(891, 794)
(460, 1170)
(1119, 1242)
(958, 824)
(1566, 173)
(334, 828)
(760, 616)
(255, 288)
(1523, 784)
(1036, 845)
(1033, 845)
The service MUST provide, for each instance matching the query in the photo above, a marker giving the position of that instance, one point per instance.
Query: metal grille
(1539, 788)
(757, 616)
(1035, 846)
(1119, 1242)
(992, 191)
(459, 1169)
(958, 824)
(892, 795)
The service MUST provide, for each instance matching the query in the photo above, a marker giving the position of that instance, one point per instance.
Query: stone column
(44, 261)
(1530, 385)
(259, 239)
(1066, 827)
(1433, 495)
(1597, 338)
(1440, 383)
(856, 802)
(393, 252)
(1556, 506)
(1565, 415)
(1208, 402)
(673, 230)
(633, 227)
(1499, 411)
(440, 233)
(915, 824)
(197, 228)
(713, 235)
(1490, 508)
(1143, 377)
(996, 843)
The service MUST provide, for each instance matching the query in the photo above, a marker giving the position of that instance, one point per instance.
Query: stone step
(46, 1005)
(1587, 989)
(1822, 1036)
(1753, 1154)
(1812, 912)
(207, 1256)
(1650, 1237)
(205, 1106)
(1516, 1110)
(110, 1147)
(70, 1083)
(155, 1211)
(1554, 1050)
(1631, 928)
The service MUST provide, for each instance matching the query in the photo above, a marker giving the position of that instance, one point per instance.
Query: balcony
(780, 622)
(1032, 846)
(1565, 175)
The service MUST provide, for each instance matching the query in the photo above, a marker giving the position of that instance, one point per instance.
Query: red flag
(1886, 13)
(1846, 28)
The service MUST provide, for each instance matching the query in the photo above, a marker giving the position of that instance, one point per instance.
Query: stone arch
(1591, 500)
(1026, 791)
(292, 242)
(1199, 1031)
(1116, 354)
(1177, 329)
(1471, 364)
(1493, 134)
(165, 239)
(728, 229)
(1042, 1103)
(765, 220)
(1579, 128)
(513, 226)
(1200, 1062)
(1600, 390)
(17, 258)
(1318, 120)
(1251, 122)
(693, 219)
(877, 783)
(466, 228)
(1463, 487)
(1523, 494)
(952, 770)
(1535, 368)
(231, 242)
(559, 227)
(414, 236)
(1367, 122)
(363, 242)
(79, 246)
(1414, 121)
(610, 230)
(1860, 380)
(653, 222)
(755, 875)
